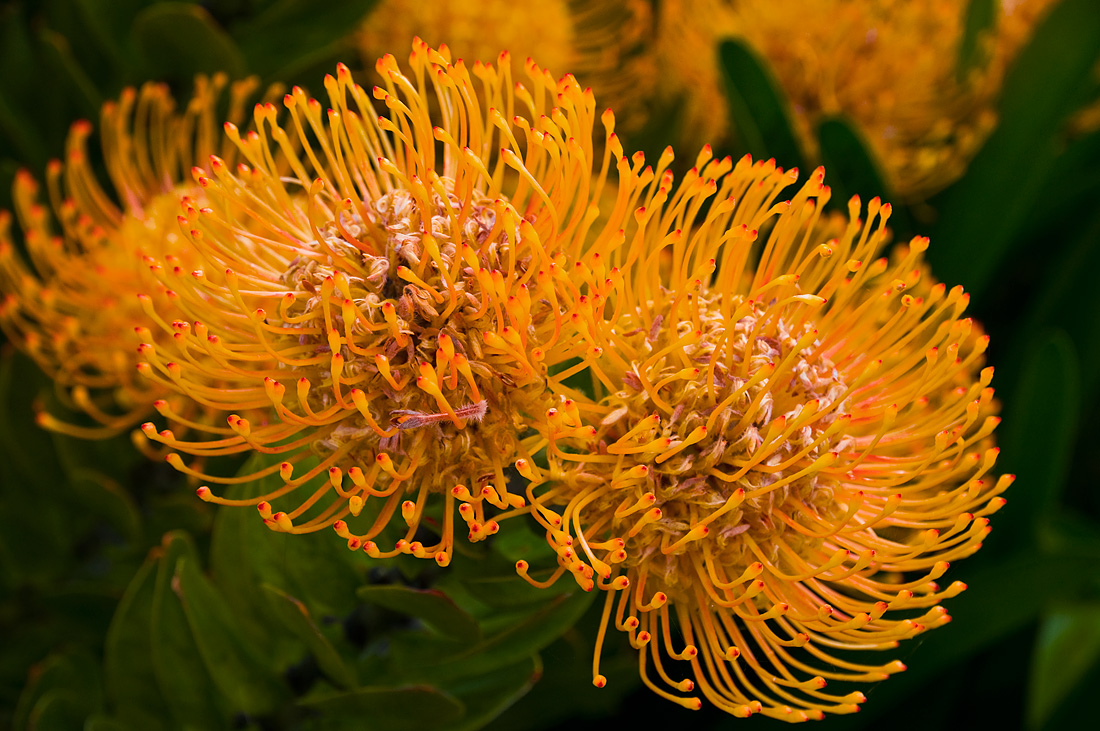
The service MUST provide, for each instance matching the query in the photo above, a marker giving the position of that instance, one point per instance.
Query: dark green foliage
(758, 109)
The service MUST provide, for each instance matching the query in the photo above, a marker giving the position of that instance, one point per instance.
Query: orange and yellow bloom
(75, 306)
(393, 290)
(792, 442)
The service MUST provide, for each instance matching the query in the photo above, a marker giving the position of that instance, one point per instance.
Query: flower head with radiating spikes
(399, 300)
(890, 66)
(793, 442)
(75, 307)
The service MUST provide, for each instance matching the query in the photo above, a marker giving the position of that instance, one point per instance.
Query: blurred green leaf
(103, 497)
(1071, 533)
(177, 663)
(36, 539)
(68, 74)
(294, 35)
(979, 21)
(487, 696)
(518, 640)
(104, 723)
(429, 605)
(63, 688)
(758, 109)
(56, 710)
(296, 618)
(244, 554)
(1047, 396)
(130, 677)
(18, 87)
(848, 161)
(507, 591)
(409, 708)
(108, 23)
(1066, 297)
(851, 170)
(177, 40)
(234, 665)
(1067, 646)
(981, 214)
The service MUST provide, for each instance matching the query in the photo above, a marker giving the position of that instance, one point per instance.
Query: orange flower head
(73, 308)
(889, 66)
(393, 289)
(793, 442)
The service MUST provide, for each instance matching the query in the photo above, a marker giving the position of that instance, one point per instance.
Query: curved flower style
(793, 445)
(603, 43)
(402, 313)
(889, 66)
(74, 307)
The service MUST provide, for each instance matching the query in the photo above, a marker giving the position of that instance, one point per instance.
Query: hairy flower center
(733, 427)
(421, 311)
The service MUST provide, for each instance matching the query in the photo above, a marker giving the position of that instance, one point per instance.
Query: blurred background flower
(919, 82)
(74, 305)
(127, 603)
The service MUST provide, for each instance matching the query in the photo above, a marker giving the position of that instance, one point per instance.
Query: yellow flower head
(74, 308)
(889, 65)
(393, 289)
(793, 444)
(601, 42)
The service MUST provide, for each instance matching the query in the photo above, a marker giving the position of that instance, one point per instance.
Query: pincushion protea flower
(399, 298)
(792, 445)
(74, 307)
(601, 42)
(890, 66)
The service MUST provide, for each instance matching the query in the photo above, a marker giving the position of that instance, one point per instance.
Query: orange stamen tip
(204, 493)
(599, 681)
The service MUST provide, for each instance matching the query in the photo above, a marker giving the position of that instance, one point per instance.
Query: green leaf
(429, 605)
(104, 723)
(981, 215)
(296, 618)
(409, 708)
(36, 539)
(62, 688)
(177, 664)
(293, 35)
(1066, 297)
(488, 695)
(129, 672)
(56, 710)
(1067, 646)
(68, 73)
(979, 22)
(108, 23)
(508, 591)
(177, 40)
(518, 640)
(759, 110)
(851, 169)
(240, 674)
(102, 496)
(18, 88)
(1038, 435)
(244, 553)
